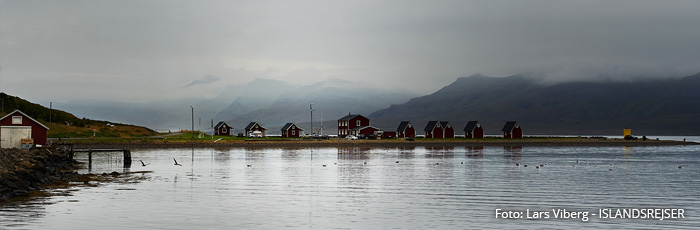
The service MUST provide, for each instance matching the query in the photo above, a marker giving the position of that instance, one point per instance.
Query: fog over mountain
(649, 107)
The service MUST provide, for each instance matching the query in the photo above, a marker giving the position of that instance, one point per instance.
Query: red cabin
(512, 130)
(473, 130)
(254, 127)
(223, 129)
(388, 134)
(405, 130)
(364, 130)
(439, 129)
(17, 126)
(291, 130)
(349, 122)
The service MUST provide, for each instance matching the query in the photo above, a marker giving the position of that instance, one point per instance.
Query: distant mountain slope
(658, 107)
(78, 127)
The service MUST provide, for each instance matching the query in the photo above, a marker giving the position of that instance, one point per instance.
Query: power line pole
(192, 130)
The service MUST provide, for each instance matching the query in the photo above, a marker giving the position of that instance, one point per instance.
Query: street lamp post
(192, 130)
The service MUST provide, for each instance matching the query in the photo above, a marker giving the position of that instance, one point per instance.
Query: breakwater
(23, 171)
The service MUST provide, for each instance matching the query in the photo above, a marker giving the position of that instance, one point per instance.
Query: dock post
(127, 158)
(89, 159)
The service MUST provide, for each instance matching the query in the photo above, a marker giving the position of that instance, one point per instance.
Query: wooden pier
(126, 152)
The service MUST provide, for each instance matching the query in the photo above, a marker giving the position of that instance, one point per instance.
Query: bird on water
(176, 162)
(144, 164)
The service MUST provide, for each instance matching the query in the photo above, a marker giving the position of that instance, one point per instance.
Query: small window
(224, 130)
(17, 120)
(358, 122)
(294, 132)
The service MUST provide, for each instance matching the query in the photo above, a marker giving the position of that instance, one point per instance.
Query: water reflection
(403, 188)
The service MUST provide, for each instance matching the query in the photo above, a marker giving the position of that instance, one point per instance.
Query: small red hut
(253, 127)
(473, 130)
(405, 130)
(17, 126)
(512, 130)
(222, 128)
(291, 130)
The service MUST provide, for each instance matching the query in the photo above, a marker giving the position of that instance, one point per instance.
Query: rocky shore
(23, 171)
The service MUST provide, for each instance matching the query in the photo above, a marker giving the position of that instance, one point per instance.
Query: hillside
(649, 107)
(64, 124)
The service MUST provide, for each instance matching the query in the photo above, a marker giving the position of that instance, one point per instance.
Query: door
(11, 136)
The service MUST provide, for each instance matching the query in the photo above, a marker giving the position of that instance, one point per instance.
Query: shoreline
(340, 143)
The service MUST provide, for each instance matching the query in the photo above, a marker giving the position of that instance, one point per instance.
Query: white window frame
(16, 120)
(358, 123)
(294, 132)
(225, 130)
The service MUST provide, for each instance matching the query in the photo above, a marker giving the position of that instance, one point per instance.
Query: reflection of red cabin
(473, 130)
(16, 126)
(254, 126)
(223, 129)
(365, 130)
(405, 130)
(291, 130)
(349, 122)
(512, 130)
(439, 129)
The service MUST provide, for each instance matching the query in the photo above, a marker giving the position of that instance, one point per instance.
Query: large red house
(439, 129)
(254, 127)
(350, 122)
(16, 126)
(291, 130)
(222, 128)
(405, 130)
(473, 130)
(512, 130)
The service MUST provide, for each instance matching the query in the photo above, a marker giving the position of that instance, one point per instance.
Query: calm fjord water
(365, 188)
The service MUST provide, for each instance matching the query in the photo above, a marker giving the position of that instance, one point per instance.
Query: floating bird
(610, 169)
(336, 163)
(576, 161)
(324, 165)
(517, 164)
(524, 165)
(397, 162)
(462, 162)
(176, 162)
(680, 166)
(249, 165)
(537, 167)
(365, 162)
(144, 164)
(541, 165)
(437, 163)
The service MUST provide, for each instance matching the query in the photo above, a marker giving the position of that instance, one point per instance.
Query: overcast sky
(151, 49)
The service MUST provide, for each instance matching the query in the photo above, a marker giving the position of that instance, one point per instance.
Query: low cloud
(203, 81)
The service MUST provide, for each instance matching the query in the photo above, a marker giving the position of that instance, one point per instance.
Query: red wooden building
(388, 134)
(473, 130)
(512, 130)
(16, 126)
(222, 128)
(291, 130)
(364, 130)
(405, 130)
(350, 122)
(439, 129)
(253, 127)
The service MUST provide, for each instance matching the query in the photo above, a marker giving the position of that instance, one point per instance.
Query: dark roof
(509, 126)
(289, 125)
(350, 116)
(220, 124)
(444, 123)
(24, 114)
(470, 125)
(430, 126)
(252, 124)
(364, 127)
(403, 126)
